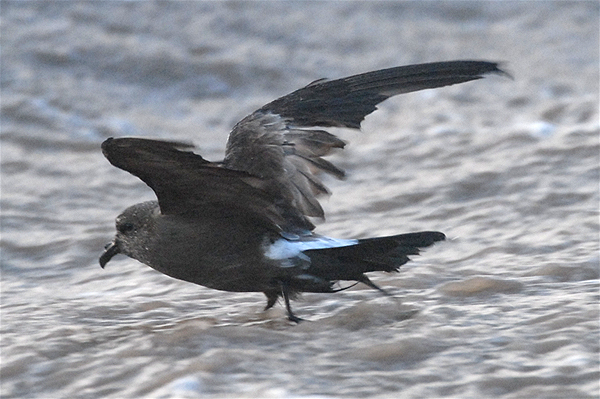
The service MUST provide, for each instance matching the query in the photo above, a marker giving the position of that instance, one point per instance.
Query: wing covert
(185, 183)
(278, 142)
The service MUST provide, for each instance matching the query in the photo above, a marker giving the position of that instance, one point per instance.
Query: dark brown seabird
(243, 224)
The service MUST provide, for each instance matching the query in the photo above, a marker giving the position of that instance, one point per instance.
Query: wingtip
(106, 142)
(106, 145)
(137, 142)
(500, 70)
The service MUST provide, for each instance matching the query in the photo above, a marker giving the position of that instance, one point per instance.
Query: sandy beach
(507, 307)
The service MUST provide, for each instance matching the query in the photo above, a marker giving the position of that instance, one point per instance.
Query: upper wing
(274, 142)
(185, 183)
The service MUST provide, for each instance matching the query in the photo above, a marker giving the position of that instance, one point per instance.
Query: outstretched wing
(276, 142)
(185, 183)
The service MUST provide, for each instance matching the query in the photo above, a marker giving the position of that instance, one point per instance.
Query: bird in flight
(244, 224)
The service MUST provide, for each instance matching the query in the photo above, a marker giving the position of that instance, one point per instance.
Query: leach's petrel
(243, 224)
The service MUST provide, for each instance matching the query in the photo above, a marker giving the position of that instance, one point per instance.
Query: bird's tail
(350, 261)
(385, 254)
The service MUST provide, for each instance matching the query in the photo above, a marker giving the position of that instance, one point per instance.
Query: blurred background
(508, 169)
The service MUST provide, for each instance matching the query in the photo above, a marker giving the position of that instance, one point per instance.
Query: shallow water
(507, 307)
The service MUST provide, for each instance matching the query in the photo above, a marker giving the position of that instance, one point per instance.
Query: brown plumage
(243, 224)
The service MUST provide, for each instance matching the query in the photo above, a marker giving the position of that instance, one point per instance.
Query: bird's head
(134, 231)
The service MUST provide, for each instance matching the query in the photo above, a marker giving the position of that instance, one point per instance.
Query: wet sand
(507, 307)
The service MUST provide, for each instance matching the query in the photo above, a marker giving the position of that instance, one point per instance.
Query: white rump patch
(286, 249)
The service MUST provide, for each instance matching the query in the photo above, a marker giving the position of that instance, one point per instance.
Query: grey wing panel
(279, 142)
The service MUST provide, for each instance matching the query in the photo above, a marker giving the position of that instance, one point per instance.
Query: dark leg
(286, 298)
(271, 299)
(344, 288)
(365, 280)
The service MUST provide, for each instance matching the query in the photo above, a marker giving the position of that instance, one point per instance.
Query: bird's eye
(125, 227)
